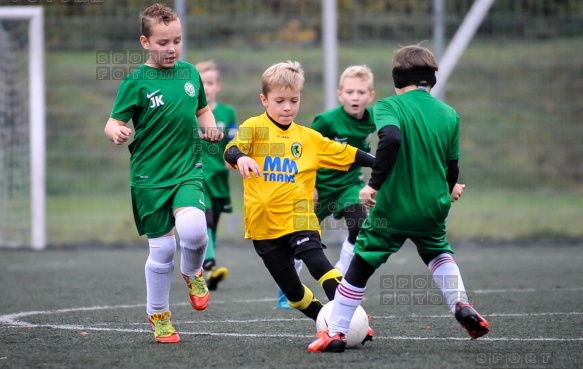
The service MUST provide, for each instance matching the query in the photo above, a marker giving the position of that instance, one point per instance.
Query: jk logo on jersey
(155, 100)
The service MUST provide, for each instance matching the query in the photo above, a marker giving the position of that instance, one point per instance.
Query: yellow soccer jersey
(279, 202)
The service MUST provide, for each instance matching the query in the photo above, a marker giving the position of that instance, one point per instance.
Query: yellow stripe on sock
(332, 274)
(305, 301)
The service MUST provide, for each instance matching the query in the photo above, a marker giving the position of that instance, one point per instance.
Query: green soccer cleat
(164, 332)
(197, 291)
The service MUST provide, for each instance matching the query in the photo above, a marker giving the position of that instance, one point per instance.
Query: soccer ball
(358, 326)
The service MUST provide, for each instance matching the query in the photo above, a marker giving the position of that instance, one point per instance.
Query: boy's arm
(208, 125)
(386, 155)
(363, 159)
(116, 131)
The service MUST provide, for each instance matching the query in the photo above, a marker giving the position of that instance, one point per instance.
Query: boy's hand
(211, 134)
(247, 166)
(457, 192)
(121, 134)
(367, 197)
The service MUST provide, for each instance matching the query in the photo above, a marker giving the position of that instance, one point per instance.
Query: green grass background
(519, 102)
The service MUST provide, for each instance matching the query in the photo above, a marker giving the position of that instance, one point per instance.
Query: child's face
(282, 104)
(355, 95)
(164, 45)
(212, 85)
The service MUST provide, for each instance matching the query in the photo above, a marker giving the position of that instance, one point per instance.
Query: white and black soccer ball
(358, 326)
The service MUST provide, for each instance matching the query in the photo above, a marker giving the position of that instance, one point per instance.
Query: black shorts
(296, 242)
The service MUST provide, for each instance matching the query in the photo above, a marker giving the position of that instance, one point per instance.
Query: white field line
(14, 321)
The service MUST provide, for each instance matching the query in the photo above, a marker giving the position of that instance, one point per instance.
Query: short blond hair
(283, 75)
(207, 66)
(357, 71)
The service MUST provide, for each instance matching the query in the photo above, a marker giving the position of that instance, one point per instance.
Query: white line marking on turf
(13, 320)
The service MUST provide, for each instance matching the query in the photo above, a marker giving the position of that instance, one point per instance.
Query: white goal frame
(37, 106)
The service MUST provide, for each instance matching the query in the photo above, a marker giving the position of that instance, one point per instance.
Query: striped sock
(447, 277)
(346, 300)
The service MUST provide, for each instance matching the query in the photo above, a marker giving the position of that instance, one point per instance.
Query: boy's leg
(282, 302)
(153, 217)
(436, 252)
(277, 259)
(191, 228)
(373, 248)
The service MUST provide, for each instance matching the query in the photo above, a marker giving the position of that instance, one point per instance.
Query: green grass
(521, 154)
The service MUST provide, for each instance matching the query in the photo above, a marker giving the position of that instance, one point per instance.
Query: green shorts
(154, 207)
(335, 202)
(376, 244)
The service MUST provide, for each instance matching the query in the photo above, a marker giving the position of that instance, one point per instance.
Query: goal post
(22, 103)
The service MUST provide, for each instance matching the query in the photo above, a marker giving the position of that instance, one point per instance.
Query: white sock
(346, 300)
(346, 255)
(191, 228)
(447, 277)
(158, 270)
(298, 264)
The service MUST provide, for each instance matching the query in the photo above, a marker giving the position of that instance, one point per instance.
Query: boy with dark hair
(412, 186)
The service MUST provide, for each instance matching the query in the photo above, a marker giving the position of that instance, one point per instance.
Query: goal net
(22, 127)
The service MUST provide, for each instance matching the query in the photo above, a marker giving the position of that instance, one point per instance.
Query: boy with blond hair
(278, 160)
(165, 100)
(337, 191)
(214, 170)
(412, 186)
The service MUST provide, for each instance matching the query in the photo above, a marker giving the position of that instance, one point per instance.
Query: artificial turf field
(84, 308)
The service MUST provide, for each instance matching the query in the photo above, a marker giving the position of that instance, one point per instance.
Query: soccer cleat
(325, 343)
(282, 302)
(197, 291)
(164, 332)
(471, 321)
(369, 335)
(214, 276)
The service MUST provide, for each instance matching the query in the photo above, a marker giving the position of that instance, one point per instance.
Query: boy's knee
(191, 227)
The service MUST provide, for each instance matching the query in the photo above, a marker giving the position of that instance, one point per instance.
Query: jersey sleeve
(334, 155)
(385, 115)
(243, 140)
(126, 101)
(454, 153)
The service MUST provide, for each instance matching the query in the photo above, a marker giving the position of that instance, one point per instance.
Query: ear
(372, 96)
(144, 41)
(263, 99)
(339, 94)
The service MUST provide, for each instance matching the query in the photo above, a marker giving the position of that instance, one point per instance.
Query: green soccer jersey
(415, 197)
(162, 105)
(337, 125)
(215, 173)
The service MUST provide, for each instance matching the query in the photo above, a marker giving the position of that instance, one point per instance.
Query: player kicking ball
(412, 186)
(278, 160)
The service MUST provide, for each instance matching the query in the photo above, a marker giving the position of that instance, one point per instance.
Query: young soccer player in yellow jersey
(337, 191)
(166, 102)
(278, 160)
(214, 170)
